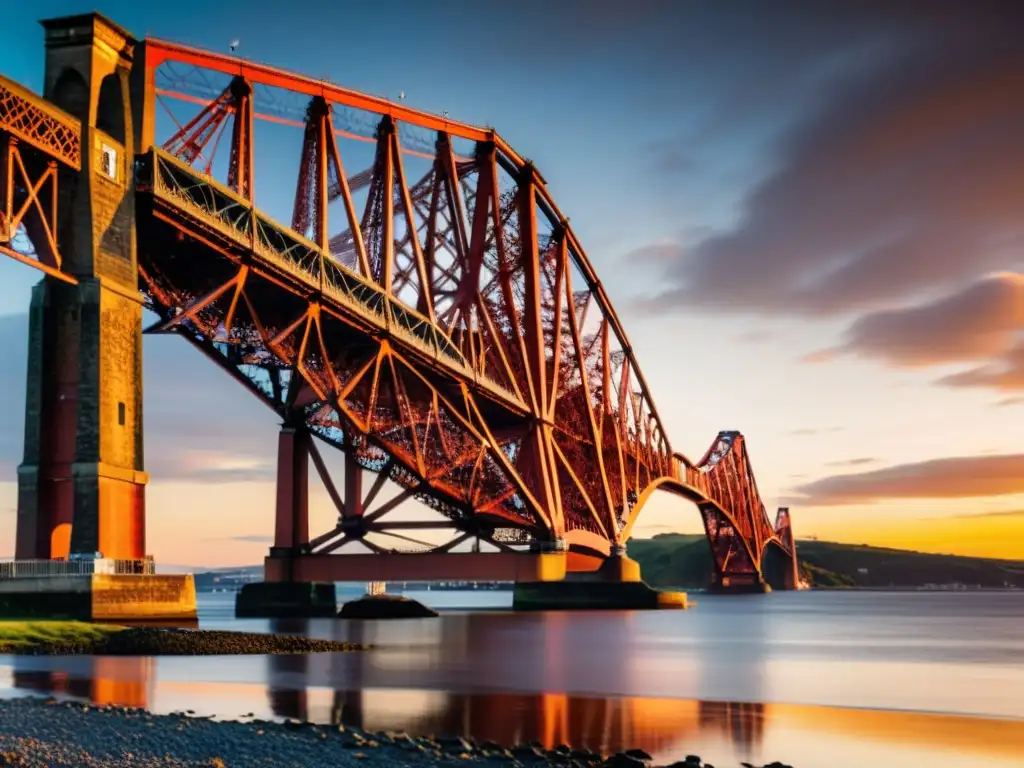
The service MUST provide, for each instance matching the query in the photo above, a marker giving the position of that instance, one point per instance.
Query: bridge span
(424, 308)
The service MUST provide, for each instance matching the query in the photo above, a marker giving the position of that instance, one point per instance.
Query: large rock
(385, 607)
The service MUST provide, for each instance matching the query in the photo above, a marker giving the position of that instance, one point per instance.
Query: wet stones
(152, 641)
(622, 760)
(51, 732)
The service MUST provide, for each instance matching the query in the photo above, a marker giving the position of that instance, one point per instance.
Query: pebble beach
(54, 733)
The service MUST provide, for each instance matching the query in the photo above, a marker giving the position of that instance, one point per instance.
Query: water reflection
(103, 680)
(671, 682)
(871, 650)
(659, 726)
(722, 732)
(604, 724)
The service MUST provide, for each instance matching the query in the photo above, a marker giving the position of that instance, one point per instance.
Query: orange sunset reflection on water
(669, 729)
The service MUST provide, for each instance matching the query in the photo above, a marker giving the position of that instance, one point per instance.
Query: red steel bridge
(420, 305)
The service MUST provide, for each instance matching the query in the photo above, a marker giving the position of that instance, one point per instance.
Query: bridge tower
(81, 486)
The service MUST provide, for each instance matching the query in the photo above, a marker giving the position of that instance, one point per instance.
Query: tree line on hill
(684, 560)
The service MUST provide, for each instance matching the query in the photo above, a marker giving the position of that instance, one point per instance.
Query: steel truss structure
(36, 140)
(441, 326)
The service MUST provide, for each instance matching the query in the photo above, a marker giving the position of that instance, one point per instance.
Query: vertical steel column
(291, 530)
(538, 444)
(353, 487)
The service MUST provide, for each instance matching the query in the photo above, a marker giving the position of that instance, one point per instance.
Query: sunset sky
(810, 219)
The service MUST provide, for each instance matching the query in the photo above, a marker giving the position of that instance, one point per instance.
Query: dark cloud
(959, 477)
(199, 424)
(904, 178)
(978, 323)
(670, 159)
(858, 462)
(1005, 372)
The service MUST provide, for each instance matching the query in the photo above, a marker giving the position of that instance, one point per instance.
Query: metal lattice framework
(36, 139)
(37, 122)
(441, 326)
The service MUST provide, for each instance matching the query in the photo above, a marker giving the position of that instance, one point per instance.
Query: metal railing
(41, 569)
(230, 215)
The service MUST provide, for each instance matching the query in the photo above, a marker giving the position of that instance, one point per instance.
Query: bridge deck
(282, 252)
(426, 566)
(35, 121)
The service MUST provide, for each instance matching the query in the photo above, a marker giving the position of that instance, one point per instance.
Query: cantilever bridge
(427, 311)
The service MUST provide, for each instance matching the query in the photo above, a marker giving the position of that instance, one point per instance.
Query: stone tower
(81, 486)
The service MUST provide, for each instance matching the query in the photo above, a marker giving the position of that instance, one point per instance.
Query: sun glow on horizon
(232, 524)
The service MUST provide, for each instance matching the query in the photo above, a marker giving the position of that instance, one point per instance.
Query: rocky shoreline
(65, 734)
(152, 641)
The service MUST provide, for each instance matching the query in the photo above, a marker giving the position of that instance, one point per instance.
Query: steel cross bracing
(432, 314)
(36, 140)
(489, 365)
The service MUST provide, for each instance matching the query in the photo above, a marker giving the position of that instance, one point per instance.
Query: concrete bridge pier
(743, 584)
(285, 592)
(81, 485)
(301, 582)
(615, 585)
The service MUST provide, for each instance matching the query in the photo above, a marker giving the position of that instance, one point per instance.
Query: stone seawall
(54, 597)
(126, 598)
(100, 597)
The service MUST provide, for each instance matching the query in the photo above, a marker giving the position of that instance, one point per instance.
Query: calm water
(816, 679)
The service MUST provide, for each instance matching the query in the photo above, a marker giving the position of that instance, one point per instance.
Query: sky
(808, 216)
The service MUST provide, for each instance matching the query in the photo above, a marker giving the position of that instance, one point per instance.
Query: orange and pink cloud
(980, 324)
(947, 478)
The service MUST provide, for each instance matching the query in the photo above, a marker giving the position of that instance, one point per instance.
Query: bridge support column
(616, 585)
(793, 571)
(291, 528)
(740, 584)
(280, 595)
(81, 483)
(46, 498)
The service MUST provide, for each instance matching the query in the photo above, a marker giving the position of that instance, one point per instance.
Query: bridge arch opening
(777, 567)
(730, 554)
(71, 93)
(60, 540)
(670, 517)
(659, 511)
(110, 108)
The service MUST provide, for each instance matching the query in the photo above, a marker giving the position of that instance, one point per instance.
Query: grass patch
(18, 636)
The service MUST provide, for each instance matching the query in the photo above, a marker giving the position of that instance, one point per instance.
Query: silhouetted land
(684, 560)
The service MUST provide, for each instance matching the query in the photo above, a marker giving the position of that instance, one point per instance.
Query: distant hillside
(684, 560)
(227, 578)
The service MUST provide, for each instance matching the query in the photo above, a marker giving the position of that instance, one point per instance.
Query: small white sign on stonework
(108, 161)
